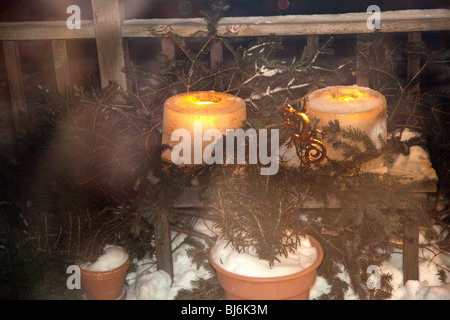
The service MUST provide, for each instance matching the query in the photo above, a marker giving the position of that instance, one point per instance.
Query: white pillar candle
(355, 106)
(213, 110)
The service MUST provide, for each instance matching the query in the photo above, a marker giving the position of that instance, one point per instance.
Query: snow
(299, 19)
(248, 264)
(153, 284)
(414, 166)
(263, 71)
(147, 283)
(269, 91)
(431, 259)
(428, 287)
(112, 258)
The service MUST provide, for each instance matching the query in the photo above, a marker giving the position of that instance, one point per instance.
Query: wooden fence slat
(112, 49)
(15, 80)
(216, 54)
(410, 248)
(61, 65)
(312, 43)
(414, 59)
(163, 244)
(361, 78)
(168, 47)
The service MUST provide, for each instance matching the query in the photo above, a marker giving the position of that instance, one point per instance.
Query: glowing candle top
(204, 103)
(346, 100)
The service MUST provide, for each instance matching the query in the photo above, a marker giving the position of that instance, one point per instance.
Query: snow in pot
(248, 264)
(112, 258)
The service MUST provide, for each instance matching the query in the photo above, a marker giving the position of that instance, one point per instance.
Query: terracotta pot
(105, 285)
(294, 286)
(123, 295)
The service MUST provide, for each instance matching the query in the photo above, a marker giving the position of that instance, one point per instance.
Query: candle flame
(204, 102)
(346, 98)
(348, 95)
(204, 99)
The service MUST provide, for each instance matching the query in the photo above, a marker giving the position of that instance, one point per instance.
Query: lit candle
(197, 112)
(359, 107)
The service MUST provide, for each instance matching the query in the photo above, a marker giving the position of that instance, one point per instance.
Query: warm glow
(348, 95)
(208, 122)
(353, 106)
(346, 98)
(199, 111)
(203, 99)
(204, 102)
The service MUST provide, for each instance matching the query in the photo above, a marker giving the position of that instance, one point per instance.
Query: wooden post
(411, 225)
(112, 49)
(15, 80)
(168, 47)
(216, 54)
(361, 79)
(311, 45)
(410, 247)
(61, 64)
(414, 59)
(163, 244)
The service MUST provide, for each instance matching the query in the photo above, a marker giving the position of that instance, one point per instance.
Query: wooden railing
(111, 32)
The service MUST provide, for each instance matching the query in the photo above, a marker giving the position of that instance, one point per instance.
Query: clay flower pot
(105, 285)
(294, 286)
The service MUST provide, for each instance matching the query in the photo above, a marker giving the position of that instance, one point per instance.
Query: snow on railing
(316, 24)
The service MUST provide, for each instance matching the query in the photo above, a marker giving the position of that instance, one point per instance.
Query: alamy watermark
(74, 280)
(374, 20)
(214, 152)
(74, 21)
(374, 280)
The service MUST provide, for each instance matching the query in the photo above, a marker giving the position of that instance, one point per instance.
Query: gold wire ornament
(302, 137)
